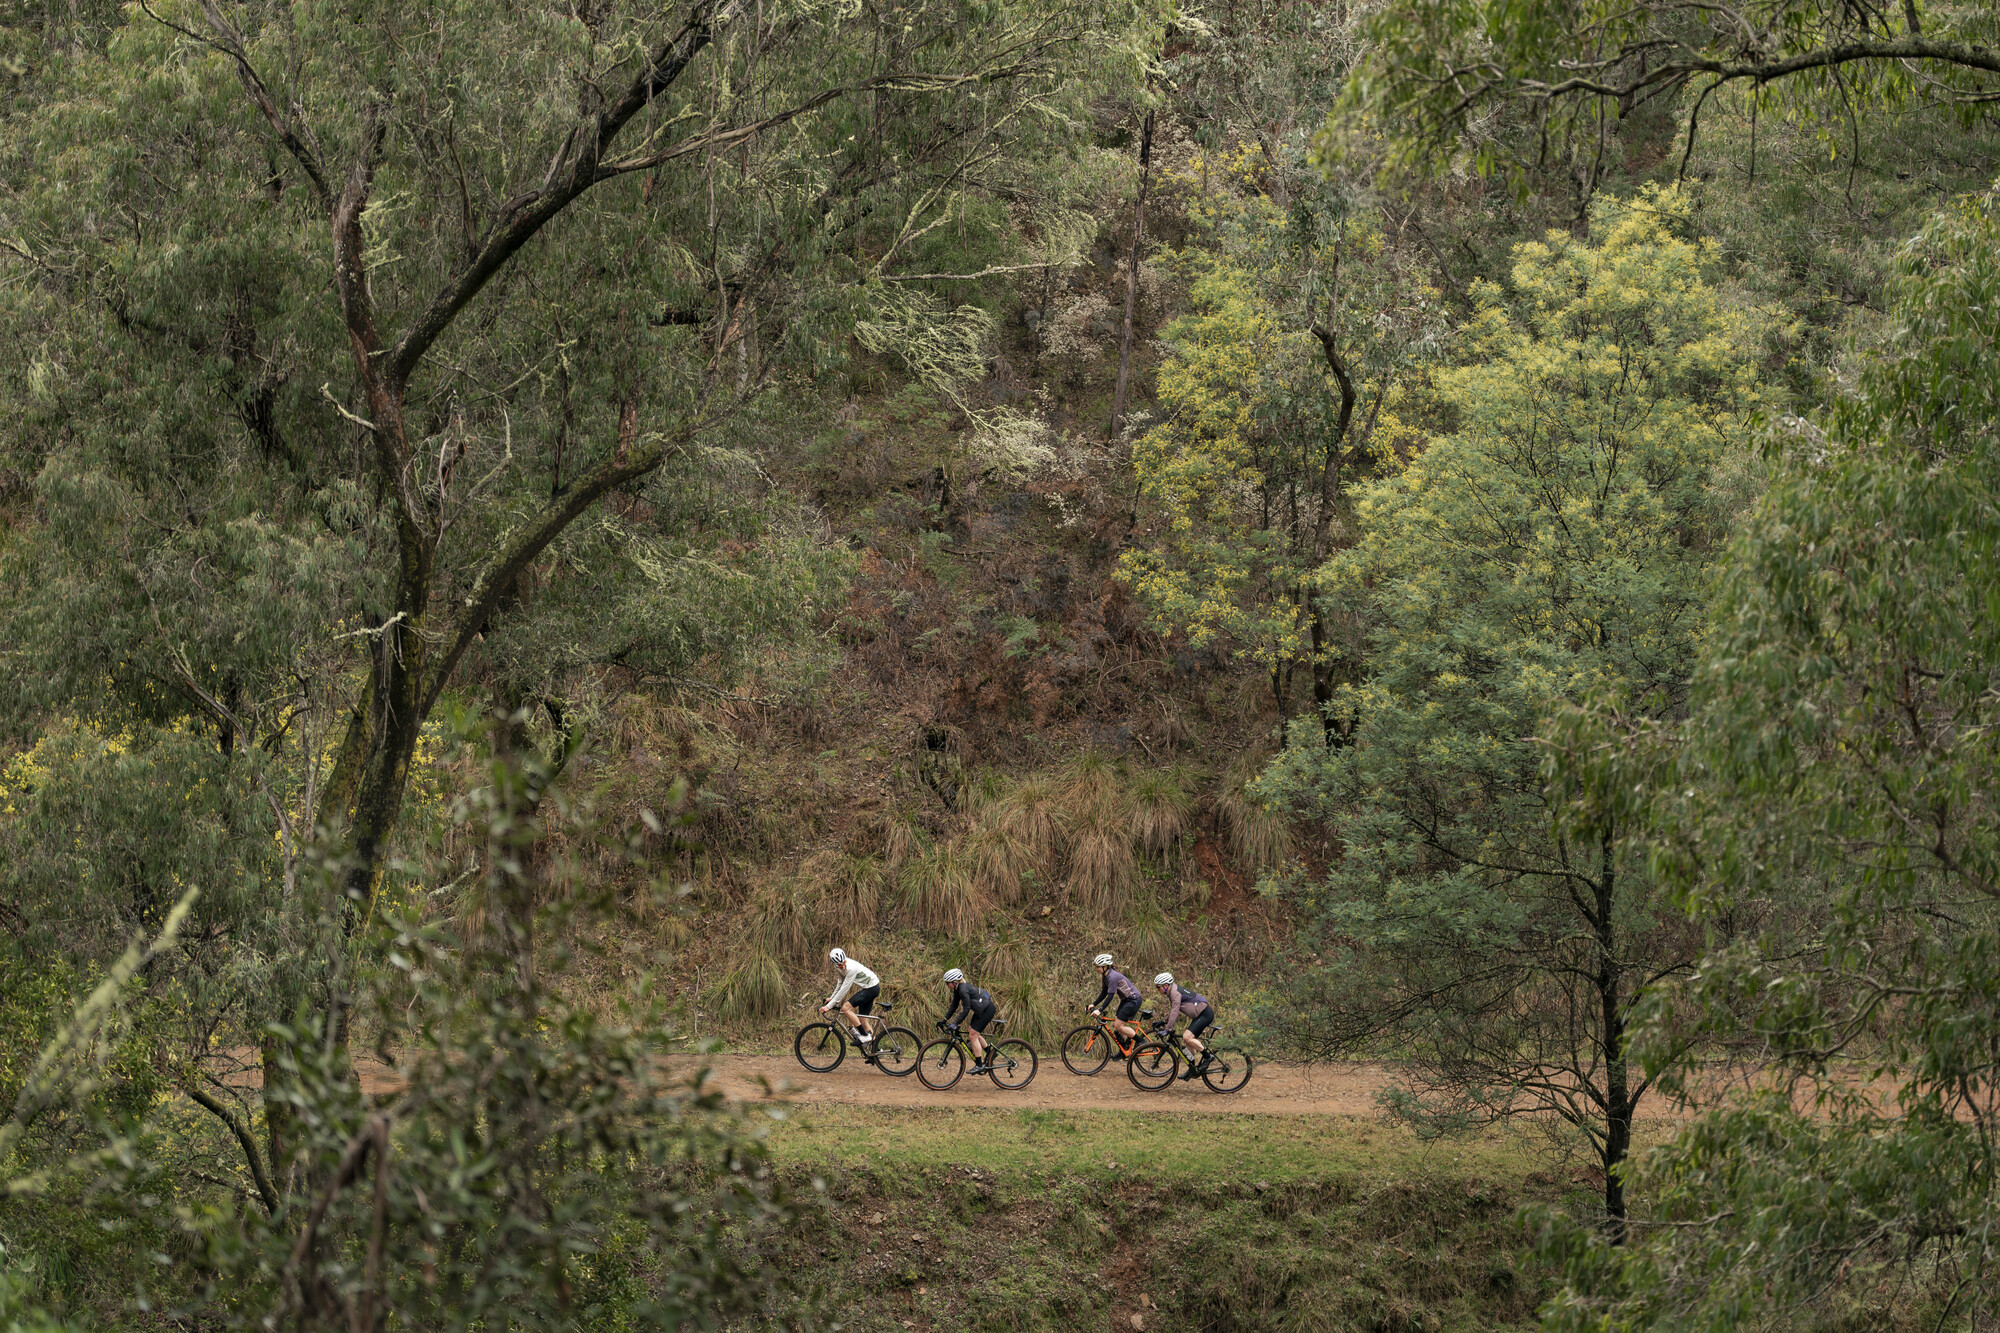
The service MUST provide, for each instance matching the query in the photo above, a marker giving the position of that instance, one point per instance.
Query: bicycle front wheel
(820, 1047)
(1151, 1066)
(1085, 1050)
(896, 1051)
(1013, 1064)
(1227, 1072)
(941, 1065)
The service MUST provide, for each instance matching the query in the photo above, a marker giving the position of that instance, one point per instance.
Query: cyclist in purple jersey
(1199, 1013)
(1116, 985)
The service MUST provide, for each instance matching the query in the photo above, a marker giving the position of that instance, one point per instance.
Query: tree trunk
(1617, 1085)
(1132, 281)
(1329, 490)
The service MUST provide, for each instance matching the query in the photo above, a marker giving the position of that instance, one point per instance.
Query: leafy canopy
(1839, 747)
(1556, 543)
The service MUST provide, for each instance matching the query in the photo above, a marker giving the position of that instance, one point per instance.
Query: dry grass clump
(901, 842)
(1006, 956)
(984, 794)
(783, 918)
(848, 890)
(1098, 837)
(1151, 934)
(940, 892)
(1161, 804)
(752, 991)
(1256, 834)
(1029, 818)
(1026, 1008)
(998, 863)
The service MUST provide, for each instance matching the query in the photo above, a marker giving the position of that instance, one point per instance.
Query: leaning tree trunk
(1132, 282)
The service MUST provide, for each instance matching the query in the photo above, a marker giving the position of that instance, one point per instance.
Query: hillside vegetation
(1466, 534)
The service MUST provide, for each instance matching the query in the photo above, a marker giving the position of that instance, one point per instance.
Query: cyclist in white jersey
(856, 994)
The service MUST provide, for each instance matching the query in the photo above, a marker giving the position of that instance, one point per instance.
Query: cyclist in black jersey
(979, 1011)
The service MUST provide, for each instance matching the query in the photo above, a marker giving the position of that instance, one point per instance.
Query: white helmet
(1102, 960)
(1164, 979)
(953, 975)
(837, 955)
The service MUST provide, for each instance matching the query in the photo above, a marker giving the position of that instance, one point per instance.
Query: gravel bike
(821, 1046)
(1087, 1049)
(1011, 1064)
(1158, 1060)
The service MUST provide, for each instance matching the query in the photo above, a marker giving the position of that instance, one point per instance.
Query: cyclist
(1116, 984)
(856, 995)
(1200, 1015)
(979, 1011)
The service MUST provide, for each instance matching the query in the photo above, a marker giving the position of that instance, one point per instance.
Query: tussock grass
(1028, 817)
(784, 919)
(1026, 1008)
(1256, 834)
(1098, 833)
(1006, 956)
(902, 843)
(984, 794)
(848, 890)
(998, 862)
(1161, 804)
(753, 990)
(1151, 936)
(941, 893)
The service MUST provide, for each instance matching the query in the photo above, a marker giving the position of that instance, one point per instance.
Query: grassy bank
(1004, 1220)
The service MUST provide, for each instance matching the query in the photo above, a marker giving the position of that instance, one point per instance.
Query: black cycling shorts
(1128, 1009)
(977, 1019)
(864, 1000)
(1201, 1022)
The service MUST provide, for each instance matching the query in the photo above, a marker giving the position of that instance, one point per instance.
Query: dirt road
(1274, 1089)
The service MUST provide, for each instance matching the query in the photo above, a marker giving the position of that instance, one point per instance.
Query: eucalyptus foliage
(1296, 372)
(1525, 84)
(1840, 746)
(532, 1161)
(1556, 544)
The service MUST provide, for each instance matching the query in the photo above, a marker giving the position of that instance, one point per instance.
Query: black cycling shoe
(980, 1069)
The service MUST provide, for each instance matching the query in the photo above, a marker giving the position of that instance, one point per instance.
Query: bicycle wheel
(896, 1051)
(941, 1065)
(1014, 1064)
(820, 1047)
(1085, 1050)
(1152, 1066)
(1227, 1072)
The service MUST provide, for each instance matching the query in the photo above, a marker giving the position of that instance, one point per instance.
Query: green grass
(982, 1219)
(1218, 1149)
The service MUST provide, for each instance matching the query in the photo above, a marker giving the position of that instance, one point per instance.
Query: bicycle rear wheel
(1151, 1066)
(941, 1065)
(1013, 1064)
(1227, 1072)
(820, 1047)
(1085, 1050)
(896, 1051)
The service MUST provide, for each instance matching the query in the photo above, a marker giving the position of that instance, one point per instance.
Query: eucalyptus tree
(1515, 84)
(364, 348)
(1841, 734)
(1555, 543)
(376, 358)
